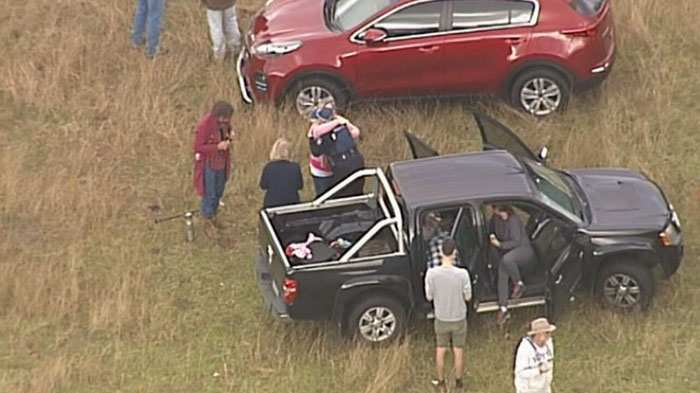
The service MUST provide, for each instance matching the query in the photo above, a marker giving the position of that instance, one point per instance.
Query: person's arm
(467, 286)
(354, 131)
(428, 287)
(200, 141)
(264, 178)
(523, 367)
(317, 149)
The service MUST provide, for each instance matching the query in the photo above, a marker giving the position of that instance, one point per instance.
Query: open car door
(497, 136)
(563, 277)
(419, 149)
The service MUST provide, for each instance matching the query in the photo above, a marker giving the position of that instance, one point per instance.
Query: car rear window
(587, 7)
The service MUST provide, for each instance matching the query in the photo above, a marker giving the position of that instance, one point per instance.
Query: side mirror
(542, 155)
(373, 36)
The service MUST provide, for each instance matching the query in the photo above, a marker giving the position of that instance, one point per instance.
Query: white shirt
(528, 358)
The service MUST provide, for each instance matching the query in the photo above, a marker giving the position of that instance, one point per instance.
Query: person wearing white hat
(534, 359)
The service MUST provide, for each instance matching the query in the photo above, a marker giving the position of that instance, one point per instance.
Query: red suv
(534, 52)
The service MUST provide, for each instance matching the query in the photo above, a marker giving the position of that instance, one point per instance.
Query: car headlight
(671, 235)
(277, 48)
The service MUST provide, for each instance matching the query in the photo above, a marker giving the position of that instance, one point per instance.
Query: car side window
(423, 18)
(471, 14)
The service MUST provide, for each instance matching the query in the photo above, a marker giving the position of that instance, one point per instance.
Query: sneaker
(209, 228)
(502, 317)
(459, 384)
(438, 383)
(221, 203)
(517, 290)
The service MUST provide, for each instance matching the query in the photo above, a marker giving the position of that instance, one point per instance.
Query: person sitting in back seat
(435, 231)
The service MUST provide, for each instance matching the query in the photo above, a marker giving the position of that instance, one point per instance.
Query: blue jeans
(214, 182)
(149, 17)
(322, 184)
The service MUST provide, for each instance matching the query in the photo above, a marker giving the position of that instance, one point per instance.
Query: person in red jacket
(212, 162)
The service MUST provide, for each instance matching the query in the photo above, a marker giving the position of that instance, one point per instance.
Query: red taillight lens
(290, 290)
(587, 32)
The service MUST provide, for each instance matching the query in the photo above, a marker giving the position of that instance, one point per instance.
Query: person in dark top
(510, 238)
(281, 178)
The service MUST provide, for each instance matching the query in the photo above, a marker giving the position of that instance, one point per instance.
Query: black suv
(600, 230)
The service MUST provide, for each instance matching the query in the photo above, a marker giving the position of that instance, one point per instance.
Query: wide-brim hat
(541, 325)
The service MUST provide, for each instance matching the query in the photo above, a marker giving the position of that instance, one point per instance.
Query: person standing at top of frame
(213, 162)
(148, 19)
(223, 26)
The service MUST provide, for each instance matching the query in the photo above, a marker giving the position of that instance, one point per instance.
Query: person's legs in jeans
(508, 268)
(216, 32)
(220, 185)
(322, 184)
(139, 24)
(156, 8)
(233, 35)
(210, 201)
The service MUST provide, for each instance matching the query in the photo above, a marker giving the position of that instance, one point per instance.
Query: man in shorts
(449, 288)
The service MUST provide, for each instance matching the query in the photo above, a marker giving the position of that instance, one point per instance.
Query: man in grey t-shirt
(449, 287)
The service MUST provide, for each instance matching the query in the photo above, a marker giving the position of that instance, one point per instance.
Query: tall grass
(95, 141)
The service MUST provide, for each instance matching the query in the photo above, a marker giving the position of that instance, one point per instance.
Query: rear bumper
(598, 73)
(273, 303)
(672, 257)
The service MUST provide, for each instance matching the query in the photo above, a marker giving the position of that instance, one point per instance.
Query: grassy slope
(94, 298)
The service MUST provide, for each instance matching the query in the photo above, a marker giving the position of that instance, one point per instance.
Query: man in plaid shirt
(435, 235)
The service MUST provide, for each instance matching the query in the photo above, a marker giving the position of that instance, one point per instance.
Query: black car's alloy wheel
(377, 319)
(626, 286)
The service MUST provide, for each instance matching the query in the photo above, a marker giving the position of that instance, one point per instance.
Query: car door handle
(428, 49)
(514, 40)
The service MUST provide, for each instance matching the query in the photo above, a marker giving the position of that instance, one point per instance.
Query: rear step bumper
(273, 303)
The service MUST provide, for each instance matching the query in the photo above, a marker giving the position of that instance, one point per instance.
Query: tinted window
(587, 7)
(469, 14)
(350, 13)
(417, 19)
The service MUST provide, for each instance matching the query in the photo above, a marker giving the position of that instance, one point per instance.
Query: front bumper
(273, 303)
(243, 83)
(671, 258)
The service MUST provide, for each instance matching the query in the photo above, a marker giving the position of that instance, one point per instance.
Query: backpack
(517, 346)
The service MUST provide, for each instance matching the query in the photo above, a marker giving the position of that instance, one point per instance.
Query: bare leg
(440, 362)
(458, 361)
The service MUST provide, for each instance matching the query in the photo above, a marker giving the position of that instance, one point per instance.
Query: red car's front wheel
(316, 92)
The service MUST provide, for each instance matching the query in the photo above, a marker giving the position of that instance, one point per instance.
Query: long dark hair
(501, 207)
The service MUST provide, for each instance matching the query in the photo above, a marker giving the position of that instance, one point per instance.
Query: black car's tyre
(315, 92)
(377, 319)
(540, 92)
(626, 285)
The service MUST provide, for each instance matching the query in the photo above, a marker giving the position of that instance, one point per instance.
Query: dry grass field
(96, 298)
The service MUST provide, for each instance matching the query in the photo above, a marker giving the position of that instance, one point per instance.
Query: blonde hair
(280, 150)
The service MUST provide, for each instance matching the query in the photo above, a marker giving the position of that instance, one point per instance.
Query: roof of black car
(460, 177)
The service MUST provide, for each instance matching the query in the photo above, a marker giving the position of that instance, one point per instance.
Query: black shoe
(438, 383)
(458, 384)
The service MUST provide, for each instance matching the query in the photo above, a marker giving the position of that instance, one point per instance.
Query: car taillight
(290, 290)
(670, 236)
(587, 32)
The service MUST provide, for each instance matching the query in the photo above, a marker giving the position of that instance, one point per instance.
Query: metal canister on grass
(189, 227)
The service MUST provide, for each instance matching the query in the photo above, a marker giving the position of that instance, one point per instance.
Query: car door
(486, 38)
(404, 63)
(564, 275)
(495, 135)
(419, 149)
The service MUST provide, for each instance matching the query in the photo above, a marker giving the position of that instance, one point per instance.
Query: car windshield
(555, 190)
(350, 13)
